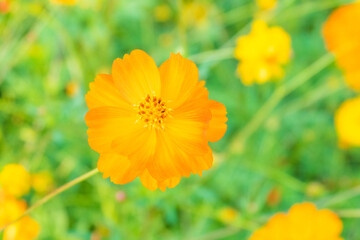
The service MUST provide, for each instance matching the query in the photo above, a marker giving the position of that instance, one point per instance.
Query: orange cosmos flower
(342, 37)
(24, 229)
(303, 222)
(10, 208)
(152, 122)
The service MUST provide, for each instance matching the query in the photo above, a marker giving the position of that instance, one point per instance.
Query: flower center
(153, 111)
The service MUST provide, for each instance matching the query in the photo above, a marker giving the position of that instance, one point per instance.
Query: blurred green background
(48, 55)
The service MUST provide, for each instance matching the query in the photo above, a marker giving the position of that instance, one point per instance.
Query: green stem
(281, 92)
(306, 8)
(229, 44)
(224, 51)
(213, 55)
(238, 14)
(313, 96)
(348, 213)
(341, 197)
(182, 28)
(53, 194)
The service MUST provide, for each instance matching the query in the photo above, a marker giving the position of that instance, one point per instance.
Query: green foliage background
(44, 46)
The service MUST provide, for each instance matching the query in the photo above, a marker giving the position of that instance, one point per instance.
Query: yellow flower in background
(152, 122)
(315, 189)
(42, 182)
(15, 180)
(262, 53)
(302, 222)
(352, 79)
(342, 37)
(72, 88)
(196, 14)
(64, 2)
(266, 4)
(162, 13)
(347, 123)
(227, 215)
(10, 208)
(24, 229)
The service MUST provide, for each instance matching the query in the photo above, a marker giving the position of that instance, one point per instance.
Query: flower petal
(169, 183)
(135, 76)
(183, 138)
(108, 123)
(103, 93)
(328, 225)
(203, 162)
(139, 146)
(152, 184)
(347, 122)
(179, 76)
(217, 124)
(179, 154)
(168, 160)
(187, 127)
(300, 214)
(148, 181)
(352, 79)
(275, 228)
(117, 167)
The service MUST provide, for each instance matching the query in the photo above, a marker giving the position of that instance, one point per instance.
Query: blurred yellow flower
(152, 122)
(266, 4)
(342, 37)
(262, 53)
(10, 208)
(42, 182)
(162, 13)
(64, 2)
(227, 215)
(303, 222)
(24, 229)
(315, 189)
(347, 123)
(352, 79)
(15, 180)
(72, 88)
(196, 14)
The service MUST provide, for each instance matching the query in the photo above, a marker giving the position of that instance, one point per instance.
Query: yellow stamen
(153, 111)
